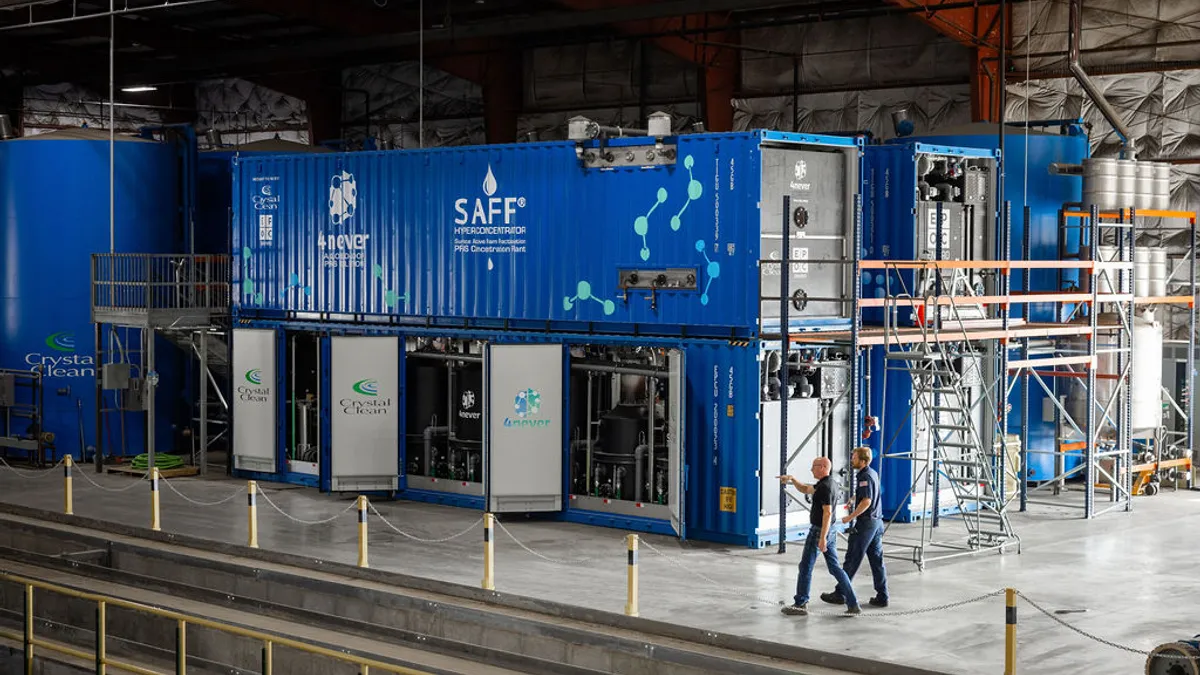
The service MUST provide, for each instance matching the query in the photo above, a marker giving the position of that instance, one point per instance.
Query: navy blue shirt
(867, 487)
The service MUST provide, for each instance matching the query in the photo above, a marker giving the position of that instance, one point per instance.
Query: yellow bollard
(154, 523)
(252, 502)
(489, 563)
(68, 496)
(1010, 631)
(362, 531)
(631, 598)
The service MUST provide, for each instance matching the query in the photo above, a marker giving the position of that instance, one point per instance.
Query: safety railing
(146, 282)
(31, 643)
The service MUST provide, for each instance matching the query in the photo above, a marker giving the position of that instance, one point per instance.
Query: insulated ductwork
(1074, 40)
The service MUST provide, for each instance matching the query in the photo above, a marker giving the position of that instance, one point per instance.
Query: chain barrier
(302, 521)
(197, 502)
(936, 608)
(419, 539)
(539, 555)
(32, 475)
(1094, 638)
(723, 587)
(134, 484)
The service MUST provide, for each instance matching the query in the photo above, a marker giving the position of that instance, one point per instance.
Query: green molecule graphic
(711, 267)
(583, 291)
(641, 224)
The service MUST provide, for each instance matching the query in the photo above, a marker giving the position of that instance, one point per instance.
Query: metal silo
(54, 213)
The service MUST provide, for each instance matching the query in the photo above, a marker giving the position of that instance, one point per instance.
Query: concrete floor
(1124, 577)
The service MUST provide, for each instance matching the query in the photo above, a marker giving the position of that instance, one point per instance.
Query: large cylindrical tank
(1147, 379)
(54, 214)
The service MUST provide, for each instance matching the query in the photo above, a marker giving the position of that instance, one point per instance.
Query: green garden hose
(161, 460)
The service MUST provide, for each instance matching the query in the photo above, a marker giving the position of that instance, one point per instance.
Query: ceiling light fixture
(140, 88)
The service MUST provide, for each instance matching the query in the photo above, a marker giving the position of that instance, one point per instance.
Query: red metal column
(979, 29)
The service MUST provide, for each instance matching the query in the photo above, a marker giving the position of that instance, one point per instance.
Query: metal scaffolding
(971, 457)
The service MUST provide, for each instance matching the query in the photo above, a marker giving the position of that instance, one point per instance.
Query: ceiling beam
(450, 39)
(977, 28)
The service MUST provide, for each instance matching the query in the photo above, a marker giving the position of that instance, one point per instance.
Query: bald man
(821, 537)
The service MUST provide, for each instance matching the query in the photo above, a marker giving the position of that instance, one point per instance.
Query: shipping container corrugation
(519, 234)
(723, 449)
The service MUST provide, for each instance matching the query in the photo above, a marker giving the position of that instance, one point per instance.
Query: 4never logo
(61, 361)
(527, 404)
(343, 197)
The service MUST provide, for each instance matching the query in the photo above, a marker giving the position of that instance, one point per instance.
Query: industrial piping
(1074, 27)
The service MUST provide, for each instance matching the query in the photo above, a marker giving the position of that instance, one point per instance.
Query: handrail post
(28, 629)
(181, 648)
(101, 631)
(267, 659)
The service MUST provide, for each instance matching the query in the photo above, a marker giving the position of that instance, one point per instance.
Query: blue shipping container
(526, 236)
(907, 186)
(721, 423)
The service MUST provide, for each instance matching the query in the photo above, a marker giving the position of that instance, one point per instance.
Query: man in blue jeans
(821, 537)
(866, 535)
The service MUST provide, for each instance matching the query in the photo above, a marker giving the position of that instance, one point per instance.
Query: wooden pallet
(181, 472)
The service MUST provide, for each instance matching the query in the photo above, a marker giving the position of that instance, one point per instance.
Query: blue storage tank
(527, 236)
(54, 213)
(1028, 182)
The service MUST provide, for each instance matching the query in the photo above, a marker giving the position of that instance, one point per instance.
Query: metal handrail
(157, 281)
(100, 657)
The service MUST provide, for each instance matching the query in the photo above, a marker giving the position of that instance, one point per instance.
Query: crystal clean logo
(366, 399)
(488, 211)
(366, 387)
(61, 342)
(527, 404)
(60, 359)
(254, 391)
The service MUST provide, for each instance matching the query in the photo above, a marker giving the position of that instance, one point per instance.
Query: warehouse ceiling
(191, 40)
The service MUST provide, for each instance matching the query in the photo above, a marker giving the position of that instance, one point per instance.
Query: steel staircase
(959, 456)
(944, 367)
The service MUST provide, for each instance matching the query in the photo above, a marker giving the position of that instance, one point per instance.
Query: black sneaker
(834, 598)
(878, 602)
(795, 610)
(853, 610)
